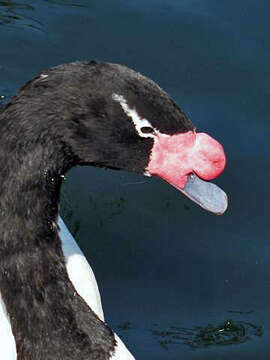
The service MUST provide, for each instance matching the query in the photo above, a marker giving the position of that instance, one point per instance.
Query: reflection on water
(228, 332)
(18, 14)
(65, 2)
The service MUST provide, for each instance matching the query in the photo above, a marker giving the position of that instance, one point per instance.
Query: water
(160, 260)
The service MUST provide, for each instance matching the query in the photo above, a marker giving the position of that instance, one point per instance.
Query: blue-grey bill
(206, 194)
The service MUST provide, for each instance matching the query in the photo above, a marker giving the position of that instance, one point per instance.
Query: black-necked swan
(83, 113)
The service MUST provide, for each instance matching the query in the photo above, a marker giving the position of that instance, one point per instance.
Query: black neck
(49, 319)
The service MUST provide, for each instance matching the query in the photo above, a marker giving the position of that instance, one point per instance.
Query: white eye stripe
(138, 122)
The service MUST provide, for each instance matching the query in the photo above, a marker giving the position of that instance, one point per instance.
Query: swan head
(108, 115)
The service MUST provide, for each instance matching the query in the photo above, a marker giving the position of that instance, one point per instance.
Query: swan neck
(32, 267)
(43, 306)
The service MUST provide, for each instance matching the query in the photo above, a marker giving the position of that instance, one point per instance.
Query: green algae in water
(227, 333)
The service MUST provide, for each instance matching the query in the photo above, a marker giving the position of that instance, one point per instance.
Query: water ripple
(17, 14)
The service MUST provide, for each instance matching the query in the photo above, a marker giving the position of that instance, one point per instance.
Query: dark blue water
(160, 260)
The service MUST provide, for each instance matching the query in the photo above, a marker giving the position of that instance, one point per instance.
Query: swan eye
(147, 130)
(142, 125)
